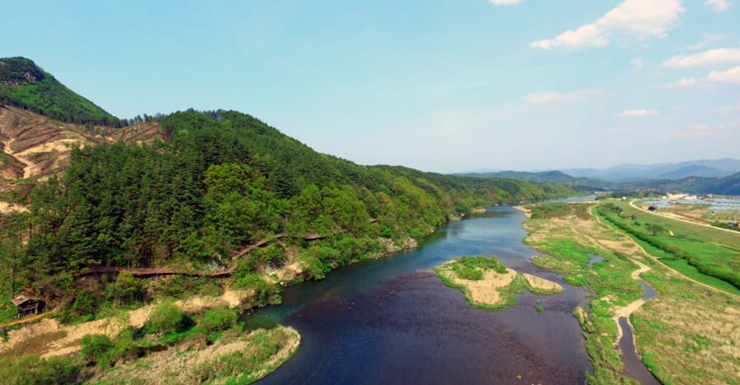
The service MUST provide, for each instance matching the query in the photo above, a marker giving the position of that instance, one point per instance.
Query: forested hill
(729, 185)
(23, 84)
(545, 176)
(222, 181)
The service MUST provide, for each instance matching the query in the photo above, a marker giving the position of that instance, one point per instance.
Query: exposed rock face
(410, 243)
(391, 247)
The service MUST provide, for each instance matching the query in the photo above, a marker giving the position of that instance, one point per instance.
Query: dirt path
(630, 308)
(29, 319)
(672, 270)
(634, 206)
(28, 165)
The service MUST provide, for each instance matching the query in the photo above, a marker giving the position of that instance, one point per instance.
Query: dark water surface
(633, 365)
(392, 322)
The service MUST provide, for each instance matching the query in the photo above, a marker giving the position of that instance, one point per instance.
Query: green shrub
(211, 289)
(271, 255)
(471, 268)
(265, 292)
(180, 286)
(218, 319)
(560, 210)
(166, 317)
(96, 346)
(126, 289)
(81, 308)
(32, 370)
(313, 267)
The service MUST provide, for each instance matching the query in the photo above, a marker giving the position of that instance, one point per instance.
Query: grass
(215, 350)
(558, 210)
(682, 335)
(692, 255)
(460, 273)
(609, 279)
(234, 359)
(472, 268)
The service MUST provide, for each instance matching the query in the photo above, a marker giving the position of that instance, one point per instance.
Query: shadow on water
(391, 321)
(633, 365)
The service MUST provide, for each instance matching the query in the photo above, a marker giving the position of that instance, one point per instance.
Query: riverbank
(186, 342)
(489, 284)
(234, 359)
(49, 338)
(393, 321)
(689, 334)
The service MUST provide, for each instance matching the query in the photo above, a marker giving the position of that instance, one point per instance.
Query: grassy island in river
(489, 284)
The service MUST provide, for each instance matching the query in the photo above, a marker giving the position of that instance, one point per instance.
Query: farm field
(688, 334)
(709, 255)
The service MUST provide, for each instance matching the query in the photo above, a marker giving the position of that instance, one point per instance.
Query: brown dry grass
(61, 340)
(184, 364)
(485, 291)
(541, 284)
(491, 291)
(689, 334)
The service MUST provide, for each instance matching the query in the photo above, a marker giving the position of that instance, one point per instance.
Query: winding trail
(626, 311)
(672, 270)
(29, 319)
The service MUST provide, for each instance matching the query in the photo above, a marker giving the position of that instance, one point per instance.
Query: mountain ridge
(25, 85)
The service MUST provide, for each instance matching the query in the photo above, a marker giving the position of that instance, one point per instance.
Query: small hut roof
(21, 299)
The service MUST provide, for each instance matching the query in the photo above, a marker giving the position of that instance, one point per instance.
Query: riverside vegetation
(710, 256)
(171, 347)
(686, 335)
(488, 284)
(219, 182)
(225, 201)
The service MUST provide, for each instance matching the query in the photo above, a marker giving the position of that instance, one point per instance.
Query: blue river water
(391, 321)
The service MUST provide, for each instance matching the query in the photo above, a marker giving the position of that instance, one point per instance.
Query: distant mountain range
(729, 185)
(545, 176)
(715, 168)
(720, 176)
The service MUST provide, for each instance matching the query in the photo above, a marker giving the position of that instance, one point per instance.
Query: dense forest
(25, 85)
(200, 201)
(222, 181)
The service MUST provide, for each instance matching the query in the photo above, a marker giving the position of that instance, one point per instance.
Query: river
(391, 321)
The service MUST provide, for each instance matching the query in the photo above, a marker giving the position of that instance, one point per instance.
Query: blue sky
(449, 85)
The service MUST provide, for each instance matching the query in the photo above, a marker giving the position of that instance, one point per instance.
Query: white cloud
(711, 57)
(554, 96)
(707, 40)
(638, 18)
(730, 76)
(506, 2)
(718, 5)
(698, 131)
(638, 62)
(637, 113)
(683, 83)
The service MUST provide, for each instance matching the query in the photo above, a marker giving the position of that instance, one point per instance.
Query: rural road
(710, 287)
(632, 203)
